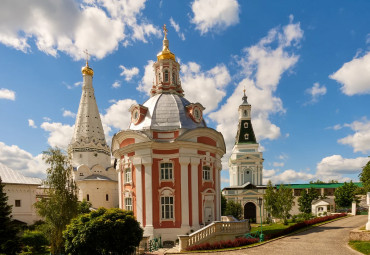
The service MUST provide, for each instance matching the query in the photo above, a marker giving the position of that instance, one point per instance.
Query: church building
(245, 167)
(169, 161)
(90, 154)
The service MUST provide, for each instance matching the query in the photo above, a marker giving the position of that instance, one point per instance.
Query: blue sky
(305, 66)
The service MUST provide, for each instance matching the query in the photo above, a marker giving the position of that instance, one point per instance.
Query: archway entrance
(250, 211)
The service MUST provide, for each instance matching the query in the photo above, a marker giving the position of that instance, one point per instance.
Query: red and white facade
(169, 161)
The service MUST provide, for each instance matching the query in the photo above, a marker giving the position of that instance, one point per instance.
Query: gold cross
(165, 30)
(87, 55)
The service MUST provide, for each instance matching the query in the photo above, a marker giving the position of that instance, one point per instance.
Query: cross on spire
(87, 56)
(165, 30)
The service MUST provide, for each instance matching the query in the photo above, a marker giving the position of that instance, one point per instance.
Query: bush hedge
(242, 241)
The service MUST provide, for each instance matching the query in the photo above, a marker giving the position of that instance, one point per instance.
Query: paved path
(328, 239)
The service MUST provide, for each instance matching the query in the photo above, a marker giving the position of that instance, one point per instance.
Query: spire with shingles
(89, 133)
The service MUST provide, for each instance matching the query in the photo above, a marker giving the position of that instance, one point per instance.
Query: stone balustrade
(216, 231)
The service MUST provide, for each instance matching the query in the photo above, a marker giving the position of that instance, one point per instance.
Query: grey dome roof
(167, 112)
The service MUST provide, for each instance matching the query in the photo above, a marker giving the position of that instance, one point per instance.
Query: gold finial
(165, 53)
(86, 69)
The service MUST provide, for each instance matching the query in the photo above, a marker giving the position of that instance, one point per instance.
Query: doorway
(250, 211)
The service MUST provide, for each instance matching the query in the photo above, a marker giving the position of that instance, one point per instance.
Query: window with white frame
(245, 124)
(128, 203)
(166, 171)
(128, 175)
(166, 75)
(246, 136)
(167, 208)
(206, 173)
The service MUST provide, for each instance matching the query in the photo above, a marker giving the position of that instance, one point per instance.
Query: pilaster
(194, 191)
(148, 230)
(184, 162)
(139, 187)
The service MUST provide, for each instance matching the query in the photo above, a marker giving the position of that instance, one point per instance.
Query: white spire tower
(89, 151)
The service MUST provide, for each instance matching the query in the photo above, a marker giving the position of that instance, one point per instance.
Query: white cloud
(129, 73)
(177, 29)
(278, 164)
(214, 15)
(225, 180)
(316, 91)
(290, 176)
(262, 68)
(360, 140)
(336, 165)
(60, 134)
(195, 82)
(31, 123)
(354, 76)
(71, 26)
(22, 161)
(116, 84)
(146, 82)
(67, 113)
(7, 94)
(117, 115)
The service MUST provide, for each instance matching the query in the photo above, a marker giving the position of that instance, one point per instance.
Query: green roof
(317, 185)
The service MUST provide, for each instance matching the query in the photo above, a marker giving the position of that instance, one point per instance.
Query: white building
(169, 160)
(245, 167)
(93, 172)
(21, 192)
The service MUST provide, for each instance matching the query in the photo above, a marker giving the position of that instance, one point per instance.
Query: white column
(184, 162)
(218, 190)
(148, 230)
(120, 187)
(139, 187)
(194, 191)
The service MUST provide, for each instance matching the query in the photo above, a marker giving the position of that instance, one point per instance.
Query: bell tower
(245, 163)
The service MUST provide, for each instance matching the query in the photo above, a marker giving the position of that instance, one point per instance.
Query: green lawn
(270, 229)
(361, 246)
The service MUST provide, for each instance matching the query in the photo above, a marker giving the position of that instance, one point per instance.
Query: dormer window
(246, 136)
(166, 75)
(245, 124)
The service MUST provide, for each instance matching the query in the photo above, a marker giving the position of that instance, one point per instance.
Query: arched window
(245, 113)
(166, 75)
(246, 136)
(245, 124)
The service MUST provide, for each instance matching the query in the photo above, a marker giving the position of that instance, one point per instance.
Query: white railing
(218, 230)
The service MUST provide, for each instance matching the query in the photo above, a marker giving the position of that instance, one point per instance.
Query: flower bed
(242, 241)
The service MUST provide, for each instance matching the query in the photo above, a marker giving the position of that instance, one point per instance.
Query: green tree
(61, 204)
(345, 194)
(223, 204)
(105, 231)
(365, 177)
(84, 207)
(305, 200)
(285, 202)
(279, 202)
(9, 242)
(234, 209)
(270, 200)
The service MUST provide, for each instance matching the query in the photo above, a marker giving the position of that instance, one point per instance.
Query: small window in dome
(166, 75)
(246, 136)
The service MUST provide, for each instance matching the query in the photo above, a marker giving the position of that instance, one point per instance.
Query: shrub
(34, 242)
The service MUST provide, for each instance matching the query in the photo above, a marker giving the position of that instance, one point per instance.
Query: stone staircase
(216, 231)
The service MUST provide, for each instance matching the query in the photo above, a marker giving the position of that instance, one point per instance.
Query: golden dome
(87, 70)
(165, 53)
